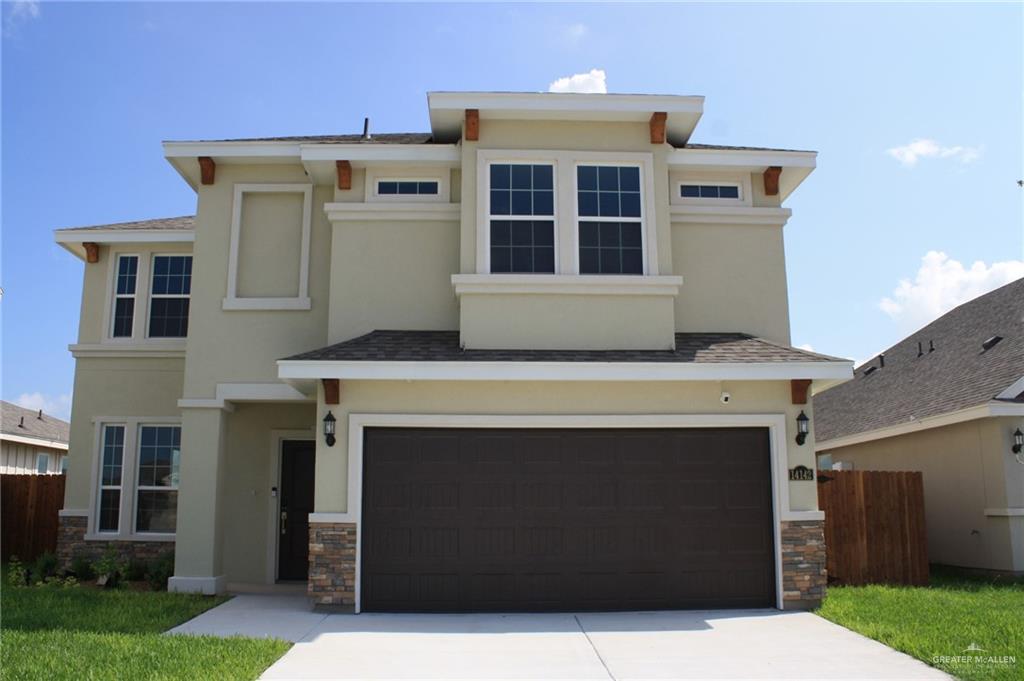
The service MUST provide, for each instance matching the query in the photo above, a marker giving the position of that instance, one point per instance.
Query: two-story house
(535, 359)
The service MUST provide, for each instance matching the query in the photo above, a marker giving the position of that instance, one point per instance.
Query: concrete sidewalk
(636, 645)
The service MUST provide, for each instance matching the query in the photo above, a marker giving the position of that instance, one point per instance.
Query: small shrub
(82, 569)
(110, 569)
(56, 582)
(44, 567)
(160, 570)
(17, 575)
(136, 570)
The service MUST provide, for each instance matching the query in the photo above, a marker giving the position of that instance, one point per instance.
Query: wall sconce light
(329, 422)
(1018, 442)
(803, 426)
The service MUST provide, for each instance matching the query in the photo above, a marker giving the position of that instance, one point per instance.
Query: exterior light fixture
(329, 422)
(803, 426)
(1018, 442)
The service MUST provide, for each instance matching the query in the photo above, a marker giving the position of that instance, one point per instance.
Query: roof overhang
(982, 411)
(447, 110)
(73, 240)
(34, 441)
(796, 165)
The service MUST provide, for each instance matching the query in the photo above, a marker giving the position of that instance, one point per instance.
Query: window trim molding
(149, 297)
(141, 297)
(137, 485)
(727, 180)
(46, 469)
(115, 267)
(645, 237)
(408, 174)
(232, 301)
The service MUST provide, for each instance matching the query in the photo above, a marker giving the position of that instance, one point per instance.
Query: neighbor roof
(183, 222)
(443, 346)
(15, 420)
(957, 374)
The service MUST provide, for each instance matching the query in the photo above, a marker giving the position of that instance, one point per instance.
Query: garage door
(458, 520)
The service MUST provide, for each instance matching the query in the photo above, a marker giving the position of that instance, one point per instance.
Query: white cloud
(20, 12)
(910, 154)
(941, 284)
(806, 346)
(575, 33)
(59, 406)
(592, 82)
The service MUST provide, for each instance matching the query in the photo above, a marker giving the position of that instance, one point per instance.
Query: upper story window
(610, 213)
(169, 296)
(521, 218)
(407, 187)
(124, 296)
(709, 191)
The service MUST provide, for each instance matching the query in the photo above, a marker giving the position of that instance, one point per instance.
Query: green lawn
(942, 619)
(84, 633)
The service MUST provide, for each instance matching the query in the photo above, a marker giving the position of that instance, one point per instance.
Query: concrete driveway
(636, 645)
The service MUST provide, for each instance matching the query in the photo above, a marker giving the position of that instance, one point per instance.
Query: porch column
(197, 554)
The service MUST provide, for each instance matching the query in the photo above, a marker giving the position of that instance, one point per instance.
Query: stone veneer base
(804, 573)
(71, 543)
(332, 566)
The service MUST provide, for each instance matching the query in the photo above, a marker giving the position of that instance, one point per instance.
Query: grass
(85, 633)
(941, 621)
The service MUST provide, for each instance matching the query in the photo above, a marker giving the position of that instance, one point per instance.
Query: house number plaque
(801, 473)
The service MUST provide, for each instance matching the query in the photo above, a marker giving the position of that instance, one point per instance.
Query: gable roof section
(26, 423)
(958, 374)
(179, 229)
(183, 222)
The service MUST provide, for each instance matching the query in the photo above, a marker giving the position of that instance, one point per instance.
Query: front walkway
(599, 646)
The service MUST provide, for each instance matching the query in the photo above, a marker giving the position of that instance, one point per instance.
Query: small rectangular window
(406, 188)
(709, 191)
(111, 465)
(157, 489)
(42, 463)
(611, 219)
(519, 194)
(169, 296)
(124, 296)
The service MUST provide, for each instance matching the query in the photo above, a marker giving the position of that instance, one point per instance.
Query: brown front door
(298, 460)
(567, 519)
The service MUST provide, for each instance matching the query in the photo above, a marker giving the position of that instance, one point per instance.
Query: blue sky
(915, 111)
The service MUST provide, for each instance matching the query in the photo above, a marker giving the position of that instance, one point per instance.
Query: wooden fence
(874, 527)
(28, 514)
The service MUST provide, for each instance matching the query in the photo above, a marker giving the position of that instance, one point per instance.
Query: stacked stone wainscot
(332, 566)
(71, 544)
(804, 574)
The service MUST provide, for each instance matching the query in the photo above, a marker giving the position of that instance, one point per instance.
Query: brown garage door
(512, 519)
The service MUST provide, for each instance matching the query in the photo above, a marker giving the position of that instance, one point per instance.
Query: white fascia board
(741, 158)
(420, 211)
(561, 371)
(563, 284)
(229, 150)
(34, 441)
(1015, 390)
(730, 215)
(124, 236)
(367, 154)
(982, 411)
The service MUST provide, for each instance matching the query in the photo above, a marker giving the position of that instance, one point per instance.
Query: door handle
(284, 521)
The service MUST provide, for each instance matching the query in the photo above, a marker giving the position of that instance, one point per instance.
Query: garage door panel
(566, 520)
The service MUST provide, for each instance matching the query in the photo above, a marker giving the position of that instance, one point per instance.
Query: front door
(298, 461)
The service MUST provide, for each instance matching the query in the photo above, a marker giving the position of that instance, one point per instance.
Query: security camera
(725, 398)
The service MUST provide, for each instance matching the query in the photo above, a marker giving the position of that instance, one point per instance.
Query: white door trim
(277, 438)
(357, 423)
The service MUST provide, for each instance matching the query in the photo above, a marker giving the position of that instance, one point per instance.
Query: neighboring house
(537, 358)
(946, 401)
(31, 442)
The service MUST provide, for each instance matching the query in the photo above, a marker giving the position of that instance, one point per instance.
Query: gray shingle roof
(443, 346)
(731, 147)
(46, 428)
(182, 222)
(958, 374)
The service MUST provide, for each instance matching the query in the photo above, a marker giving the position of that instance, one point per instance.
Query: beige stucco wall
(967, 468)
(18, 458)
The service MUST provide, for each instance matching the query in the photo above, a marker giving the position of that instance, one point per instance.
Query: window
(111, 465)
(63, 464)
(169, 296)
(519, 194)
(709, 191)
(157, 501)
(406, 187)
(42, 463)
(124, 296)
(610, 219)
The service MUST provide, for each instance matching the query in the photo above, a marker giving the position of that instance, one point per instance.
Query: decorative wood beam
(332, 390)
(92, 252)
(472, 125)
(207, 170)
(344, 174)
(658, 119)
(771, 180)
(798, 388)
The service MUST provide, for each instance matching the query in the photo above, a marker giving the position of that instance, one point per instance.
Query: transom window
(407, 187)
(521, 218)
(709, 191)
(124, 296)
(157, 501)
(111, 466)
(169, 296)
(610, 212)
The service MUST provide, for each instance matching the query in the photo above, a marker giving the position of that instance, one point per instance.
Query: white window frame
(408, 174)
(740, 182)
(129, 467)
(566, 208)
(521, 218)
(300, 302)
(593, 218)
(137, 486)
(149, 298)
(100, 487)
(44, 458)
(116, 264)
